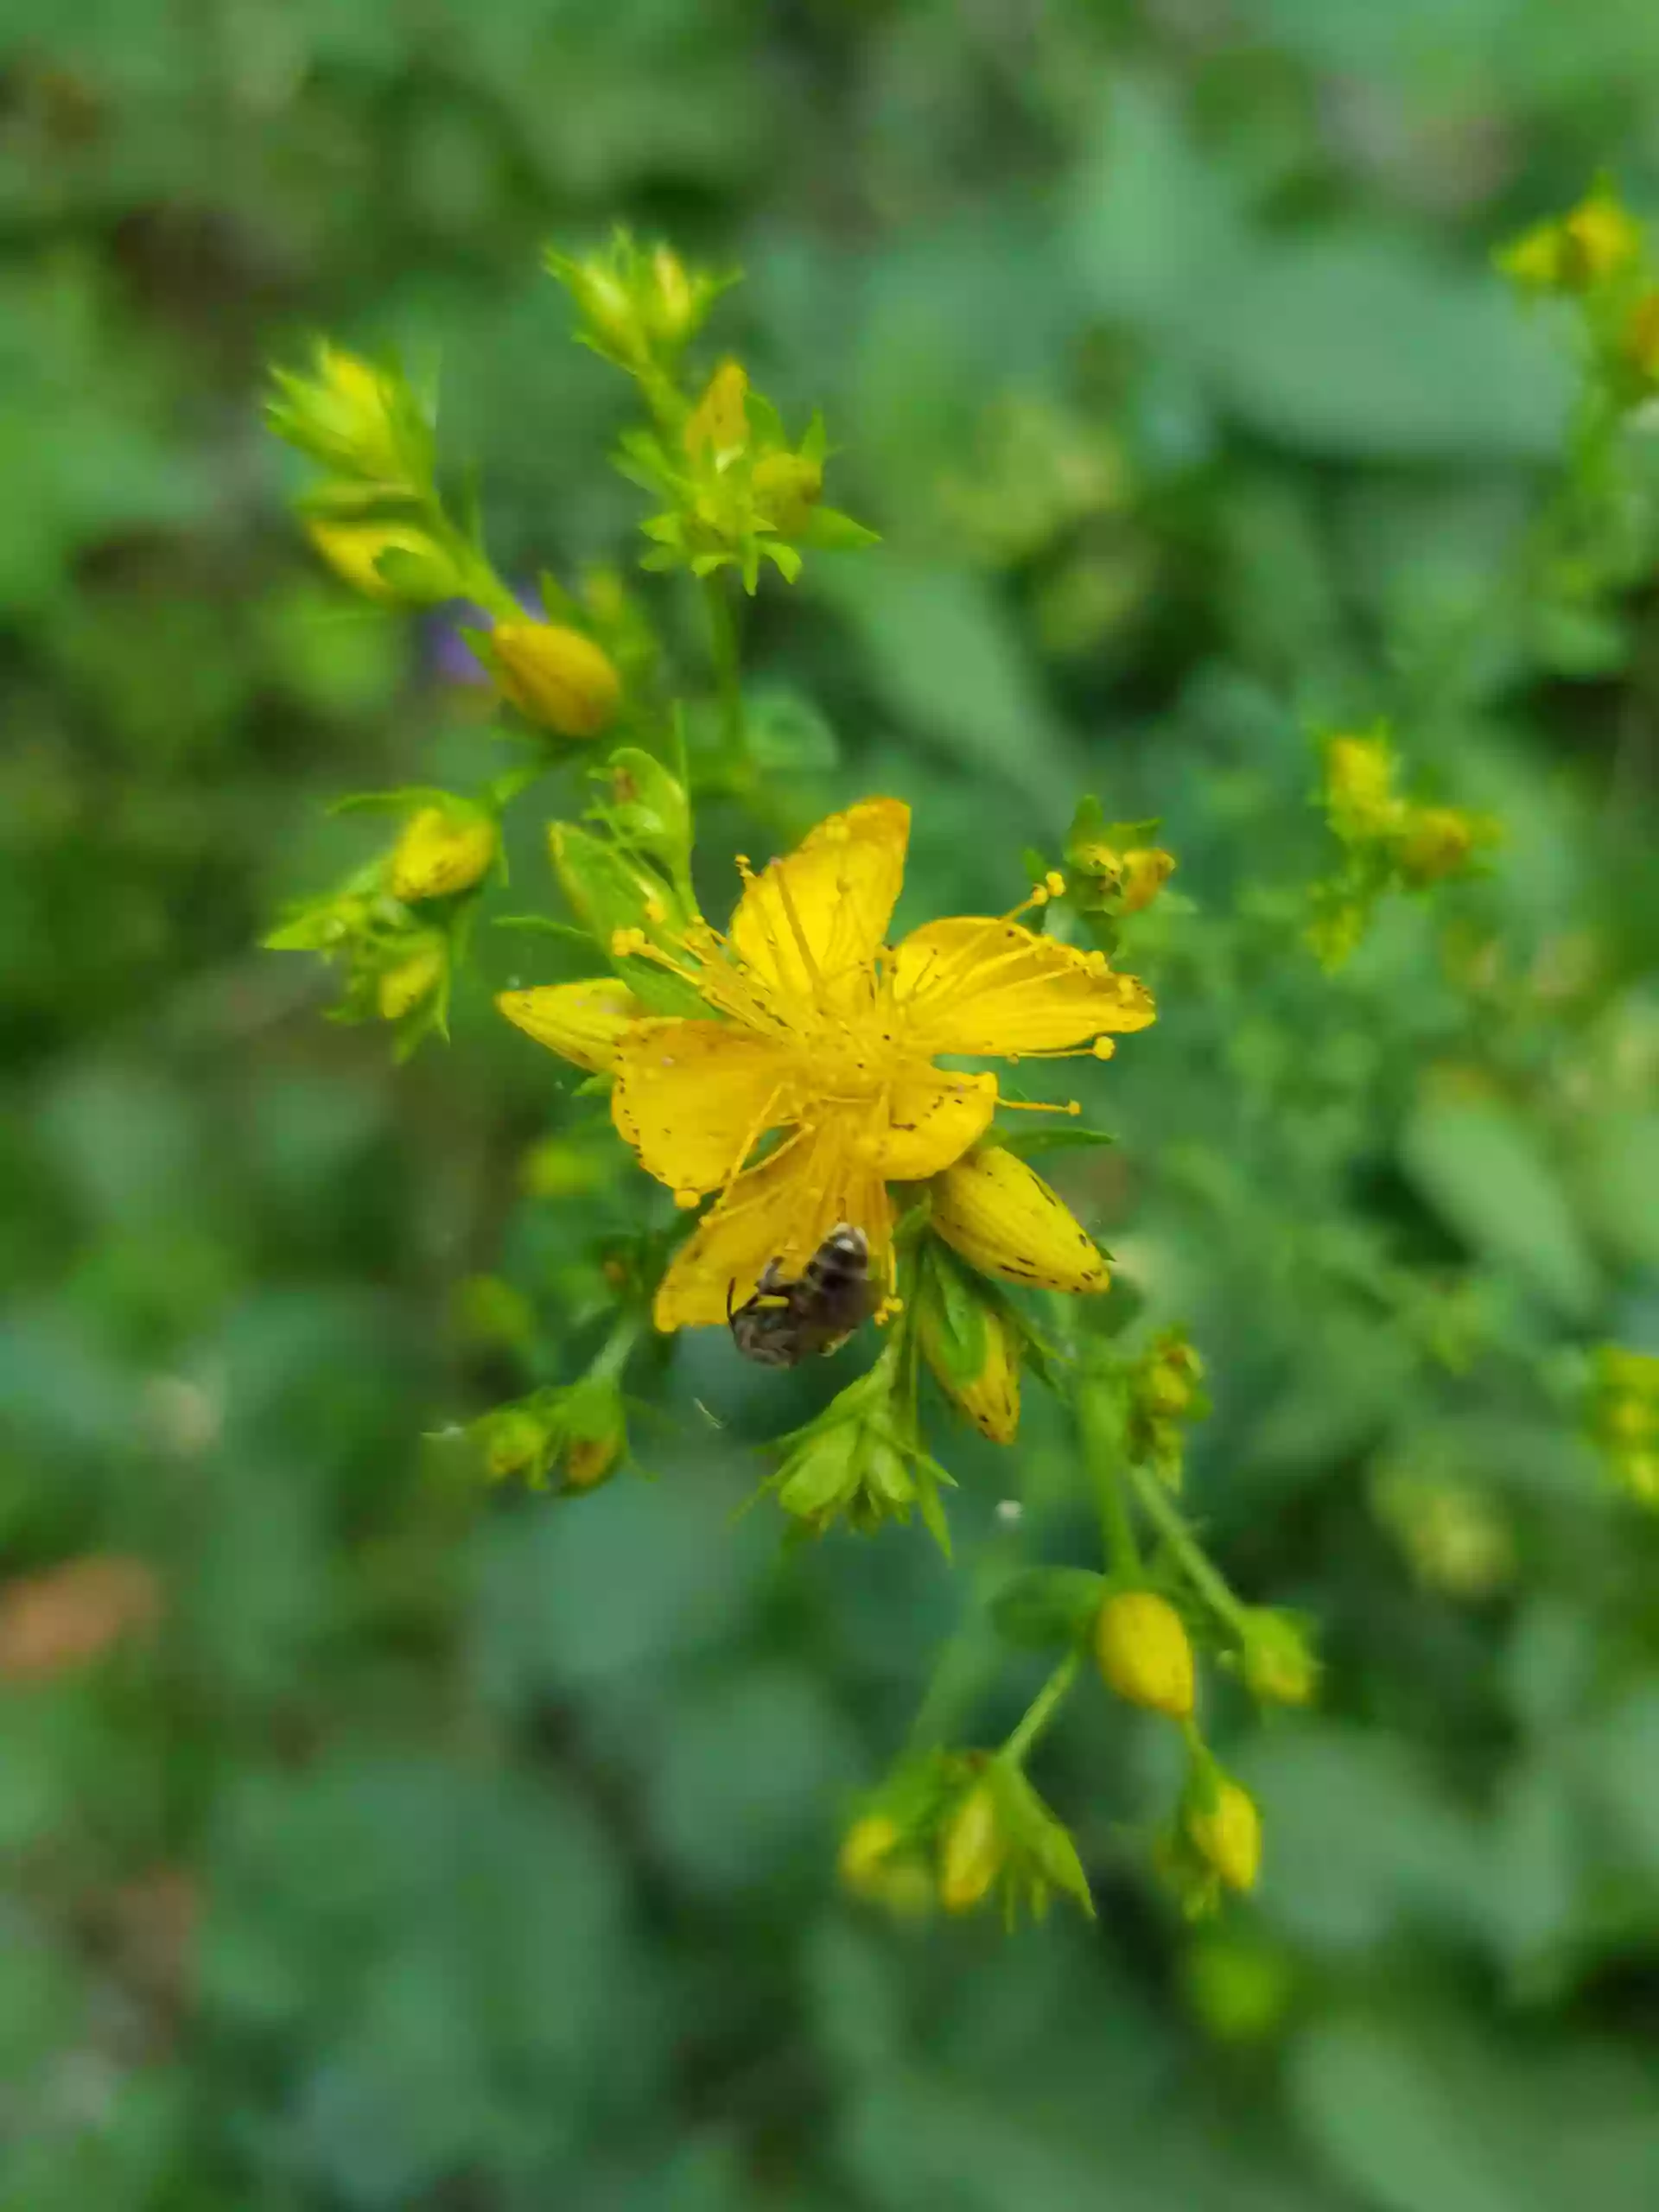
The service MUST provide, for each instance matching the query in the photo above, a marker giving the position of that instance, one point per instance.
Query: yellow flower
(1227, 1832)
(819, 1030)
(420, 575)
(582, 1022)
(441, 852)
(1145, 1652)
(1004, 1219)
(555, 676)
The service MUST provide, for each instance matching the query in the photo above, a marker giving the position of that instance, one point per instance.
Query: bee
(787, 1319)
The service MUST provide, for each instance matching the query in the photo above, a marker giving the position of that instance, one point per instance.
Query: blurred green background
(473, 1852)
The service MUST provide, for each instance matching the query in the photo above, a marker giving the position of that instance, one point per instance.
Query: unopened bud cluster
(1623, 1419)
(1389, 842)
(1597, 255)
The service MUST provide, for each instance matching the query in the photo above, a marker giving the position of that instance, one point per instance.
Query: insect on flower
(786, 1320)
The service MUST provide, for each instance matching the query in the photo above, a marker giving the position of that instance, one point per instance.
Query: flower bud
(1225, 1828)
(972, 1850)
(1640, 339)
(397, 562)
(786, 486)
(1146, 870)
(972, 1348)
(865, 1848)
(1437, 841)
(555, 676)
(672, 306)
(1359, 785)
(582, 1022)
(444, 849)
(718, 425)
(1599, 238)
(350, 416)
(401, 987)
(1005, 1220)
(592, 1431)
(1145, 1653)
(510, 1441)
(1280, 1667)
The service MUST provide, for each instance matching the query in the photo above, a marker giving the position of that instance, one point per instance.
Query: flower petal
(932, 1118)
(1006, 1221)
(693, 1098)
(809, 926)
(582, 1021)
(781, 1209)
(969, 985)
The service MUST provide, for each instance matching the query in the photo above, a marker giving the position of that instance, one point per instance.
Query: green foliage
(442, 1845)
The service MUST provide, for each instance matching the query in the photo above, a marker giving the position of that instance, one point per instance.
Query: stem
(1098, 1426)
(1041, 1710)
(970, 1657)
(722, 651)
(1161, 1509)
(612, 1355)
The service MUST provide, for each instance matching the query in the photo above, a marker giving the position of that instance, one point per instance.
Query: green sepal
(1025, 1141)
(1046, 1608)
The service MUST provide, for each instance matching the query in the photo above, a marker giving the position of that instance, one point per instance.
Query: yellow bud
(1163, 1388)
(512, 1440)
(674, 312)
(589, 1459)
(346, 415)
(1005, 1220)
(989, 1395)
(1278, 1667)
(424, 572)
(441, 852)
(1228, 1834)
(402, 987)
(1640, 338)
(583, 1022)
(972, 1851)
(786, 487)
(1533, 260)
(1437, 841)
(1359, 784)
(555, 676)
(1147, 868)
(1145, 1652)
(864, 1850)
(719, 424)
(1600, 238)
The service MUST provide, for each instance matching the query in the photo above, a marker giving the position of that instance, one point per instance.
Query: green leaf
(1478, 1164)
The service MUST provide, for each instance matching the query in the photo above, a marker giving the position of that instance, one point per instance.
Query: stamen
(1055, 883)
(787, 901)
(688, 1201)
(1039, 1106)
